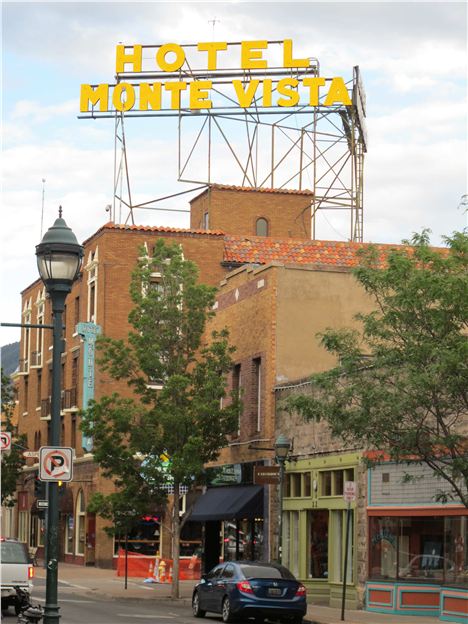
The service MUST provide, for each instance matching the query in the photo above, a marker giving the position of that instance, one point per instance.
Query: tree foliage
(402, 382)
(12, 460)
(178, 381)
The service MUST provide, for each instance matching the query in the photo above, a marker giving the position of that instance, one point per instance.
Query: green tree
(178, 380)
(12, 461)
(401, 386)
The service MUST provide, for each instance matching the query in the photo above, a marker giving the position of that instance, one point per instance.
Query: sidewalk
(106, 583)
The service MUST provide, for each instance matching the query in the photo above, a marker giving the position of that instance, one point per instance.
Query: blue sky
(413, 57)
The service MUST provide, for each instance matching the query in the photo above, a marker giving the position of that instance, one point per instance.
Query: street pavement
(96, 584)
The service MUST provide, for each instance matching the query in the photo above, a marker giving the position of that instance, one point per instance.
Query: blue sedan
(243, 589)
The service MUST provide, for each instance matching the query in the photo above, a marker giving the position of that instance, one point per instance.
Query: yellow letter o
(161, 57)
(120, 89)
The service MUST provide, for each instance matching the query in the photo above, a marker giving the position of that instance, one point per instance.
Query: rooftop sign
(253, 74)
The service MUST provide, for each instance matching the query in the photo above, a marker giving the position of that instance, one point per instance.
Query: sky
(413, 59)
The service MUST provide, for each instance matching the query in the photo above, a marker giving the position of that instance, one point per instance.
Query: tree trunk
(175, 542)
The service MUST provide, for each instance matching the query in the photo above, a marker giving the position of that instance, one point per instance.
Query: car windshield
(13, 552)
(259, 571)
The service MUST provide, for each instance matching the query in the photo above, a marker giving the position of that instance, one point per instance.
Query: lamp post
(282, 448)
(59, 258)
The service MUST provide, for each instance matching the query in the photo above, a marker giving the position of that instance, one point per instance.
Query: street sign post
(349, 495)
(42, 504)
(28, 454)
(5, 441)
(55, 463)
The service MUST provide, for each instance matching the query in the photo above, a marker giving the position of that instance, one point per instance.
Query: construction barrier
(159, 569)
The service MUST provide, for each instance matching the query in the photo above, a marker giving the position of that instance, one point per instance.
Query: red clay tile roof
(261, 250)
(228, 187)
(153, 228)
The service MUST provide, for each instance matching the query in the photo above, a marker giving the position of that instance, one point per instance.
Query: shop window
(307, 491)
(326, 483)
(142, 538)
(261, 227)
(69, 526)
(338, 537)
(338, 480)
(80, 524)
(23, 526)
(430, 549)
(295, 484)
(294, 548)
(318, 543)
(286, 541)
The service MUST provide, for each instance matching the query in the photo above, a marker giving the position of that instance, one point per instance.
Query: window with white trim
(80, 536)
(92, 270)
(24, 364)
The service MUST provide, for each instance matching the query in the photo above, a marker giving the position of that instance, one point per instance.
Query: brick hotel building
(277, 290)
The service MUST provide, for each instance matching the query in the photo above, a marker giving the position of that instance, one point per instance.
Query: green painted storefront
(314, 526)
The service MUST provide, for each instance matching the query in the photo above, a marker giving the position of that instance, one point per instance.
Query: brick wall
(236, 212)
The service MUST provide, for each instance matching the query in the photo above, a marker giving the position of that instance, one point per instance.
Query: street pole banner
(5, 441)
(88, 333)
(55, 464)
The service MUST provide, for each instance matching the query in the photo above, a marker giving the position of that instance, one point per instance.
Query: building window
(206, 221)
(261, 227)
(26, 397)
(92, 269)
(257, 392)
(25, 360)
(236, 389)
(69, 525)
(332, 481)
(338, 536)
(318, 543)
(80, 524)
(39, 389)
(430, 549)
(73, 431)
(23, 526)
(76, 315)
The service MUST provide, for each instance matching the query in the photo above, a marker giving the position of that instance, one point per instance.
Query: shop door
(90, 539)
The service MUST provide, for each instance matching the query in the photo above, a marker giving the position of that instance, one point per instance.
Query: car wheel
(226, 610)
(297, 619)
(197, 612)
(17, 607)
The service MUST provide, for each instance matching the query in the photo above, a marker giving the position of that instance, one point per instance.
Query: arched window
(261, 227)
(80, 524)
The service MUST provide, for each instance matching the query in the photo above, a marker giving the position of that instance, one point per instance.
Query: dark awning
(229, 503)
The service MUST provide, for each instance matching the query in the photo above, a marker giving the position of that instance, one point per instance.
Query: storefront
(418, 563)
(232, 511)
(314, 526)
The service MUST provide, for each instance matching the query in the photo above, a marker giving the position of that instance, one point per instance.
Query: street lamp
(59, 258)
(282, 448)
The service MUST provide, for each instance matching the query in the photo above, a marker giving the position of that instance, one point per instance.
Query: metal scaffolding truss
(320, 147)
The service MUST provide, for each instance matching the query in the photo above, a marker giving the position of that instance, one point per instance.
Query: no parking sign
(5, 441)
(55, 464)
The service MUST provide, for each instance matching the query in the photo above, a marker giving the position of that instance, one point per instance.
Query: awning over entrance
(229, 503)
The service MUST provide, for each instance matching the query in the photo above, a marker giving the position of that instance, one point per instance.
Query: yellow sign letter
(175, 88)
(150, 96)
(337, 93)
(212, 48)
(286, 87)
(199, 94)
(123, 89)
(94, 95)
(245, 97)
(314, 84)
(161, 57)
(121, 58)
(249, 54)
(288, 60)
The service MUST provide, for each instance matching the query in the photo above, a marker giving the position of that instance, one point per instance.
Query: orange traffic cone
(162, 572)
(150, 569)
(169, 576)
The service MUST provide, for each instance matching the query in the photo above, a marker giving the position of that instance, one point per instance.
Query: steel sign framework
(320, 147)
